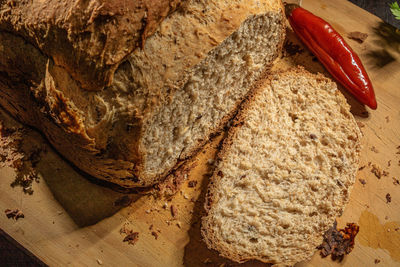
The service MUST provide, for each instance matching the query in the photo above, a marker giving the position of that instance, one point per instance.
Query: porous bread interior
(213, 90)
(286, 173)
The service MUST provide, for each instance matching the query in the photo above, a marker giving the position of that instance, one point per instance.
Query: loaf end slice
(284, 172)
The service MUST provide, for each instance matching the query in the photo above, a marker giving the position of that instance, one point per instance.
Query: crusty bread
(284, 172)
(163, 101)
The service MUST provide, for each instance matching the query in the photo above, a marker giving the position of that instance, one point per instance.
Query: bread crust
(101, 131)
(87, 38)
(207, 232)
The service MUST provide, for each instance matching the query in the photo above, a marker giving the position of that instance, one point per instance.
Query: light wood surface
(71, 221)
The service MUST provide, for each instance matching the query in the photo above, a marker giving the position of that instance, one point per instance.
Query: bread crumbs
(360, 37)
(377, 171)
(389, 163)
(396, 181)
(155, 234)
(14, 214)
(376, 261)
(174, 211)
(388, 198)
(362, 181)
(131, 237)
(374, 149)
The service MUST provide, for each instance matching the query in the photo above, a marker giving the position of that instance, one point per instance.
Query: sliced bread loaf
(162, 102)
(284, 172)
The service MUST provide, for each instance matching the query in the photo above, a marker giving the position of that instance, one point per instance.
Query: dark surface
(379, 8)
(13, 254)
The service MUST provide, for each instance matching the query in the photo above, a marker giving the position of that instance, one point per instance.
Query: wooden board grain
(72, 221)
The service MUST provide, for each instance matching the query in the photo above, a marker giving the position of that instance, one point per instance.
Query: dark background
(380, 8)
(13, 254)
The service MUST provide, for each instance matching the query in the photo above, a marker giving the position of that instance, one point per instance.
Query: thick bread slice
(165, 100)
(284, 172)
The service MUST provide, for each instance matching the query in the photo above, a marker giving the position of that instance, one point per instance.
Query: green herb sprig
(394, 7)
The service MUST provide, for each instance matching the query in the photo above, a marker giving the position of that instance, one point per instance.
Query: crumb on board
(131, 237)
(14, 214)
(388, 198)
(99, 262)
(396, 181)
(155, 234)
(360, 37)
(362, 181)
(376, 261)
(360, 124)
(174, 211)
(389, 163)
(387, 119)
(377, 171)
(361, 168)
(374, 149)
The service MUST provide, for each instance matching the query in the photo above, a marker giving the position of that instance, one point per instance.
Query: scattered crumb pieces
(147, 211)
(361, 168)
(389, 163)
(377, 171)
(385, 173)
(396, 181)
(338, 243)
(59, 212)
(374, 149)
(123, 201)
(179, 224)
(15, 214)
(155, 234)
(174, 211)
(192, 183)
(151, 227)
(165, 206)
(397, 229)
(185, 196)
(376, 261)
(362, 181)
(207, 261)
(388, 198)
(360, 124)
(387, 119)
(360, 37)
(99, 262)
(131, 237)
(291, 49)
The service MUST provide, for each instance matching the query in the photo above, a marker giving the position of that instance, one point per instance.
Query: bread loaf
(284, 173)
(124, 114)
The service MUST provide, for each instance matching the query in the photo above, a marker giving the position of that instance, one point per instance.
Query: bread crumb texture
(284, 172)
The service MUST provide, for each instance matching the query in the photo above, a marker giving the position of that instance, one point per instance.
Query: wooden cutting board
(72, 221)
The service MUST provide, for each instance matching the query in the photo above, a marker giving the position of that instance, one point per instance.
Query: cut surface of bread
(285, 171)
(163, 102)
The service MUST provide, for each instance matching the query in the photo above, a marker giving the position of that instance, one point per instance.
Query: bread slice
(163, 102)
(284, 172)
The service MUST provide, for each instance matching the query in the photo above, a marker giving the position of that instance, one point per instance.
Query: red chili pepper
(333, 52)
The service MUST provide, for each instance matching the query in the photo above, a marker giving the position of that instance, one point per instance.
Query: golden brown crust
(87, 38)
(100, 131)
